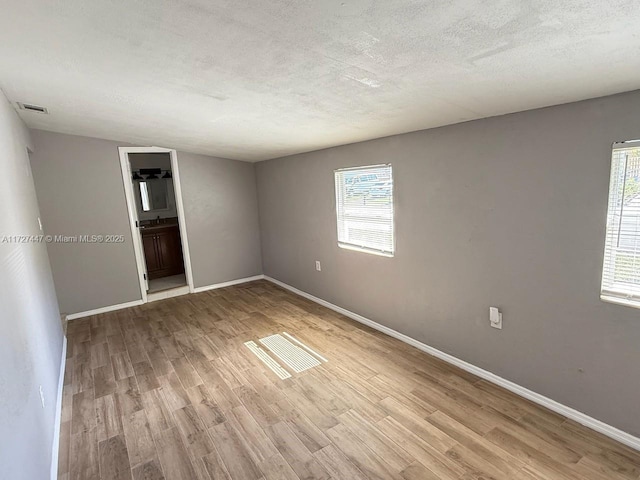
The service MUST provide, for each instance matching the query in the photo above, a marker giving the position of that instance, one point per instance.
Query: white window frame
(612, 292)
(357, 247)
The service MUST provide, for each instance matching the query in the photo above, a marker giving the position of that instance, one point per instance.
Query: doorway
(156, 214)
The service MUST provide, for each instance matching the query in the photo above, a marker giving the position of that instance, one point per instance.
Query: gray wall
(221, 210)
(507, 211)
(80, 190)
(31, 339)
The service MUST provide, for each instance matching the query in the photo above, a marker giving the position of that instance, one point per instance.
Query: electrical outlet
(495, 318)
(318, 266)
(42, 396)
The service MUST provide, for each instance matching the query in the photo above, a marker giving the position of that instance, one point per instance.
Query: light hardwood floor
(168, 390)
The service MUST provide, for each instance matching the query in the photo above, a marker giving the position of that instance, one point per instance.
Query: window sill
(620, 301)
(364, 250)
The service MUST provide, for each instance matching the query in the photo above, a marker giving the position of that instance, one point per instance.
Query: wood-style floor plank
(83, 456)
(167, 390)
(361, 455)
(293, 450)
(114, 459)
(139, 438)
(233, 452)
(173, 456)
(148, 471)
(108, 418)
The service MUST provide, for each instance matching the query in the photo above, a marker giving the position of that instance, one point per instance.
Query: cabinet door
(151, 256)
(170, 251)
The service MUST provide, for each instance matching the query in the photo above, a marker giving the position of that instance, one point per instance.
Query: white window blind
(364, 207)
(621, 268)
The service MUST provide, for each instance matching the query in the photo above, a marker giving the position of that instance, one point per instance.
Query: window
(364, 207)
(621, 269)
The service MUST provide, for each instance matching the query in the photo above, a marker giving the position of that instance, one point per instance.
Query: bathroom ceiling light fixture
(151, 173)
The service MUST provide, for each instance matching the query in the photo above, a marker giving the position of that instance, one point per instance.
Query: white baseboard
(55, 450)
(110, 308)
(228, 284)
(579, 417)
(162, 295)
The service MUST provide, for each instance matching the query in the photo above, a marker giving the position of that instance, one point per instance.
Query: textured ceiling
(257, 79)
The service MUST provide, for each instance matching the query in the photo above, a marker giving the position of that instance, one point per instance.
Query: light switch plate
(495, 317)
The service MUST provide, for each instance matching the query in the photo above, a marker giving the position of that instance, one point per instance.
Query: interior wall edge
(571, 413)
(55, 449)
(32, 339)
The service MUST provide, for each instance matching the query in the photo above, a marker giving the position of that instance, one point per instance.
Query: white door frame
(125, 167)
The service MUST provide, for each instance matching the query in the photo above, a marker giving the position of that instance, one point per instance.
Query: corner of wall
(260, 234)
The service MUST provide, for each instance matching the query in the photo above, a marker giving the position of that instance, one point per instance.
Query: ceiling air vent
(32, 108)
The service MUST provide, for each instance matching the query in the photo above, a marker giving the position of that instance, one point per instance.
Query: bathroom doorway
(154, 201)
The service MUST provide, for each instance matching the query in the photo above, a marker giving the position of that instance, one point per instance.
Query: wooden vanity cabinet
(162, 251)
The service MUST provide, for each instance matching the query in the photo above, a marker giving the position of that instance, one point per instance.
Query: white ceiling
(258, 79)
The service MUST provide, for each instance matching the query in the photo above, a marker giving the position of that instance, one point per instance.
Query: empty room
(319, 240)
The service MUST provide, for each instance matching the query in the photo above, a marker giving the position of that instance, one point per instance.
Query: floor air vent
(267, 360)
(297, 358)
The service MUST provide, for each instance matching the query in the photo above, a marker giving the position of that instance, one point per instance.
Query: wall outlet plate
(318, 266)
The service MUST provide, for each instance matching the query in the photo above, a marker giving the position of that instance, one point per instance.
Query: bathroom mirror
(154, 195)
